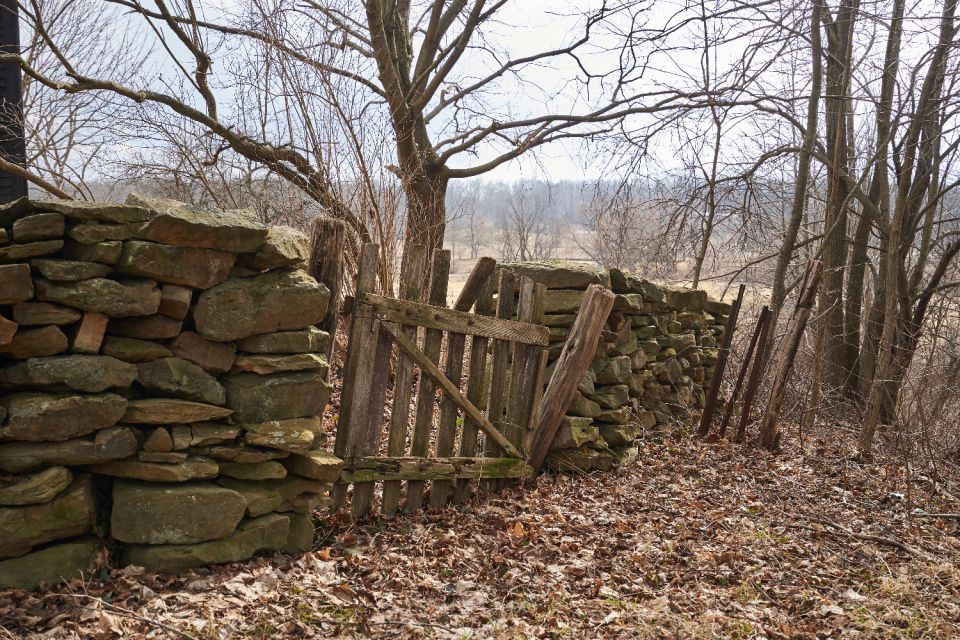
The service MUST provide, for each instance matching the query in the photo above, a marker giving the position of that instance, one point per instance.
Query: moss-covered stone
(268, 532)
(174, 514)
(71, 513)
(52, 565)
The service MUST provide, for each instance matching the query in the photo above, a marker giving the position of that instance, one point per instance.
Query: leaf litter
(691, 541)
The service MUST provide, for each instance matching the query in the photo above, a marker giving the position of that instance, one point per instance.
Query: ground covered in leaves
(691, 541)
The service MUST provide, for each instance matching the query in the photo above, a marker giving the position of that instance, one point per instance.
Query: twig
(400, 623)
(869, 537)
(121, 611)
(941, 516)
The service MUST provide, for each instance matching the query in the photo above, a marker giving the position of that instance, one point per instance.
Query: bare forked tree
(429, 70)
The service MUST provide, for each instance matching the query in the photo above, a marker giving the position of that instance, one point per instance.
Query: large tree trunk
(426, 210)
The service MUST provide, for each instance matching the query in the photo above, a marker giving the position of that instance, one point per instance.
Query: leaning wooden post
(326, 265)
(753, 382)
(574, 360)
(764, 312)
(360, 352)
(769, 435)
(709, 405)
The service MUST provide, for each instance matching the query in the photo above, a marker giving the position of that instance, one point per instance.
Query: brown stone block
(175, 301)
(90, 334)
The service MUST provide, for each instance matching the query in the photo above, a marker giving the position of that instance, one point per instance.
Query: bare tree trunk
(837, 365)
(778, 294)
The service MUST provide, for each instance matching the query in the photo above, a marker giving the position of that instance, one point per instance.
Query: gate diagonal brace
(432, 370)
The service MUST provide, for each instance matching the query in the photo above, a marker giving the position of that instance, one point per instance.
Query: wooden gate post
(326, 265)
(360, 353)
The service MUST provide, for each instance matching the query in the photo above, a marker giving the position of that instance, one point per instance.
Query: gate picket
(410, 282)
(426, 391)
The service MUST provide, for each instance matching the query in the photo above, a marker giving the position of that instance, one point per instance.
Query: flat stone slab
(91, 374)
(294, 434)
(268, 532)
(309, 340)
(52, 565)
(208, 433)
(40, 226)
(266, 470)
(107, 444)
(240, 454)
(316, 465)
(255, 398)
(69, 270)
(191, 469)
(180, 378)
(29, 314)
(559, 274)
(170, 411)
(33, 343)
(266, 363)
(71, 513)
(36, 489)
(99, 211)
(174, 514)
(20, 252)
(273, 301)
(134, 350)
(40, 417)
(95, 232)
(187, 266)
(183, 225)
(110, 297)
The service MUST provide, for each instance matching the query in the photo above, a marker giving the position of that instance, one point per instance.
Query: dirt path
(690, 542)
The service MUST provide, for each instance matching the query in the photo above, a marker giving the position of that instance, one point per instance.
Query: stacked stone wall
(162, 386)
(652, 364)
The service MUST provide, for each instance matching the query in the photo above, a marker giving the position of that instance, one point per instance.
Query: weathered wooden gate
(498, 397)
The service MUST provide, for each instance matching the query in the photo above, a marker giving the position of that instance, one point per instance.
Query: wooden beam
(447, 469)
(434, 317)
(478, 279)
(578, 352)
(433, 371)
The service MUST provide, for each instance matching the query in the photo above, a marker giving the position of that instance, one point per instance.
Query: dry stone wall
(161, 388)
(652, 364)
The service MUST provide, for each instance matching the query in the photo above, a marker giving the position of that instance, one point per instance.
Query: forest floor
(691, 541)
